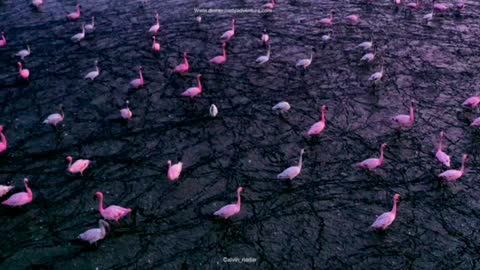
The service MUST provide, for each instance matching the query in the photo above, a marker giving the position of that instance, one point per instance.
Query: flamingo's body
(55, 118)
(319, 126)
(453, 175)
(476, 122)
(75, 15)
(174, 170)
(292, 171)
(305, 62)
(20, 198)
(386, 219)
(373, 163)
(3, 41)
(353, 19)
(78, 37)
(264, 58)
(5, 189)
(440, 155)
(404, 120)
(94, 73)
(78, 166)
(230, 33)
(282, 106)
(155, 44)
(194, 91)
(413, 5)
(377, 76)
(366, 45)
(113, 212)
(183, 68)
(24, 73)
(270, 5)
(230, 209)
(137, 83)
(221, 59)
(327, 21)
(96, 234)
(440, 7)
(3, 143)
(472, 102)
(368, 57)
(126, 113)
(24, 53)
(156, 26)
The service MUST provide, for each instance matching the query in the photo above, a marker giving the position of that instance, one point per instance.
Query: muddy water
(319, 220)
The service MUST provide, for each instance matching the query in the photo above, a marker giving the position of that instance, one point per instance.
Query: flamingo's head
(104, 223)
(324, 108)
(384, 145)
(396, 197)
(154, 38)
(441, 134)
(99, 194)
(302, 151)
(234, 20)
(69, 158)
(25, 180)
(1, 128)
(79, 6)
(20, 64)
(264, 30)
(185, 54)
(240, 189)
(169, 162)
(199, 76)
(465, 157)
(141, 68)
(127, 102)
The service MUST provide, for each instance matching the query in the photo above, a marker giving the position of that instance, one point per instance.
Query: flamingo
(270, 5)
(90, 26)
(305, 62)
(472, 102)
(265, 37)
(327, 37)
(94, 73)
(155, 45)
(319, 126)
(3, 144)
(282, 106)
(264, 58)
(183, 68)
(174, 170)
(373, 163)
(5, 189)
(292, 171)
(460, 5)
(405, 120)
(230, 209)
(413, 5)
(55, 118)
(230, 33)
(113, 212)
(328, 21)
(198, 19)
(476, 122)
(78, 37)
(96, 234)
(386, 219)
(24, 53)
(24, 73)
(353, 19)
(368, 57)
(213, 110)
(194, 91)
(221, 59)
(377, 76)
(428, 17)
(156, 26)
(439, 7)
(452, 175)
(20, 198)
(126, 113)
(75, 15)
(37, 3)
(366, 45)
(78, 166)
(137, 83)
(3, 41)
(442, 156)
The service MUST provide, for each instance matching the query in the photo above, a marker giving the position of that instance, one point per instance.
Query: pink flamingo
(386, 219)
(183, 68)
(3, 41)
(3, 144)
(221, 59)
(96, 234)
(230, 209)
(439, 7)
(472, 102)
(229, 34)
(78, 166)
(75, 15)
(353, 19)
(113, 212)
(24, 73)
(126, 113)
(137, 83)
(156, 26)
(442, 156)
(55, 118)
(270, 5)
(329, 20)
(319, 126)
(194, 91)
(155, 45)
(174, 170)
(405, 120)
(20, 198)
(397, 2)
(413, 5)
(293, 171)
(460, 5)
(452, 175)
(5, 189)
(265, 37)
(476, 122)
(373, 163)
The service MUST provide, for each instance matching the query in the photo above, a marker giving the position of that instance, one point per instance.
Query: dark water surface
(321, 219)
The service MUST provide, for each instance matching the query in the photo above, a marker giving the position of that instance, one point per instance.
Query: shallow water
(321, 219)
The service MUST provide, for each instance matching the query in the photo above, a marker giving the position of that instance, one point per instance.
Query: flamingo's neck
(462, 169)
(3, 37)
(169, 164)
(100, 204)
(239, 199)
(93, 21)
(440, 143)
(141, 75)
(300, 161)
(381, 155)
(185, 59)
(199, 83)
(233, 26)
(273, 2)
(29, 191)
(224, 53)
(78, 9)
(70, 162)
(102, 228)
(62, 113)
(412, 116)
(20, 67)
(268, 52)
(311, 56)
(394, 208)
(323, 116)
